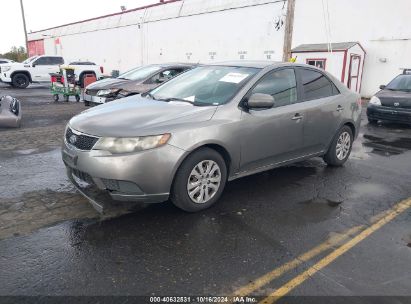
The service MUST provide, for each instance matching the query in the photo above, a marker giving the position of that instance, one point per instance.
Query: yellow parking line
(298, 280)
(272, 275)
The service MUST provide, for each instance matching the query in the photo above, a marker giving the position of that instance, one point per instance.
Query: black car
(136, 81)
(393, 102)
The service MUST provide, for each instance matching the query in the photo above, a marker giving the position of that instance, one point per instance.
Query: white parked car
(37, 69)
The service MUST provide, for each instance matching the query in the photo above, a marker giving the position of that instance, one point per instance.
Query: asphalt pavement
(305, 230)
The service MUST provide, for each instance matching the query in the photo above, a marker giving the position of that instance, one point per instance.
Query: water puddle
(322, 201)
(386, 147)
(368, 189)
(32, 172)
(27, 151)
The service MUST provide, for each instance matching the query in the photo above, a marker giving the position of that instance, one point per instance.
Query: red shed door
(36, 47)
(354, 73)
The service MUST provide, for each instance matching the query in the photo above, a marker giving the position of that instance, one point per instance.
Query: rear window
(316, 85)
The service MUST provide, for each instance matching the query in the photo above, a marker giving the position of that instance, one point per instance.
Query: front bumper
(399, 115)
(134, 177)
(94, 99)
(4, 77)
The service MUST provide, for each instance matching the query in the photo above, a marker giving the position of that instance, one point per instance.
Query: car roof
(175, 64)
(260, 64)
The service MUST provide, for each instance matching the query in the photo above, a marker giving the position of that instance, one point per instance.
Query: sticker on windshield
(190, 98)
(234, 77)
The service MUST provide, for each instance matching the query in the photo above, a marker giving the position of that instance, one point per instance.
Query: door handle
(297, 116)
(340, 108)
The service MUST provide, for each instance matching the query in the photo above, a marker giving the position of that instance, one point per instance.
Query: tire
(56, 97)
(372, 121)
(337, 157)
(86, 103)
(20, 81)
(198, 162)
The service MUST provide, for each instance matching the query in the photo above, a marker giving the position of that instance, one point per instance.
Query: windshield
(140, 73)
(28, 60)
(400, 83)
(210, 85)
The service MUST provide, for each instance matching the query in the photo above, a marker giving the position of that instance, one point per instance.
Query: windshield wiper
(175, 99)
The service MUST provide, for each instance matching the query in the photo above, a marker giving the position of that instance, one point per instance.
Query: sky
(42, 14)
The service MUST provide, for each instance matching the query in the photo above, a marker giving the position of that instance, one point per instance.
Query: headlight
(5, 68)
(107, 93)
(375, 101)
(127, 145)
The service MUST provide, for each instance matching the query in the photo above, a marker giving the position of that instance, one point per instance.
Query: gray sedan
(185, 139)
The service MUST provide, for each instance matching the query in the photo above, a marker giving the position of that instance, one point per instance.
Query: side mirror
(33, 65)
(260, 101)
(382, 87)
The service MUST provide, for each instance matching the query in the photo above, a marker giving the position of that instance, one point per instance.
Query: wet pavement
(53, 243)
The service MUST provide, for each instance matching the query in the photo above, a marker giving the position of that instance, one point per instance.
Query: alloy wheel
(343, 145)
(204, 181)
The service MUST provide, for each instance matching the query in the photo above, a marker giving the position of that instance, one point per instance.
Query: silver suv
(185, 139)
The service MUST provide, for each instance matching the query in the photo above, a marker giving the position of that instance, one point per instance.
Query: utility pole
(288, 32)
(24, 25)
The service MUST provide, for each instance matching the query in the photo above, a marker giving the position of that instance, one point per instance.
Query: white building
(218, 30)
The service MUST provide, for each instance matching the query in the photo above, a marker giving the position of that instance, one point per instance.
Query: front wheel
(340, 148)
(200, 181)
(20, 81)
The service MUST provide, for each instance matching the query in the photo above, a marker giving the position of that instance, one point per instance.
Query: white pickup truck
(38, 68)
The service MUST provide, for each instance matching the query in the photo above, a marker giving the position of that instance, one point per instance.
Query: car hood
(138, 116)
(398, 99)
(131, 86)
(109, 83)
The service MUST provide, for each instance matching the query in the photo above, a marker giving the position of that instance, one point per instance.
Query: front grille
(80, 141)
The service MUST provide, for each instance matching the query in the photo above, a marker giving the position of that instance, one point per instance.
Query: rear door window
(316, 85)
(55, 60)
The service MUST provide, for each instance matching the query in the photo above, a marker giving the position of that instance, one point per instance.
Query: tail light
(101, 69)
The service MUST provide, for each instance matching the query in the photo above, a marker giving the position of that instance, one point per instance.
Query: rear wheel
(200, 181)
(340, 148)
(20, 81)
